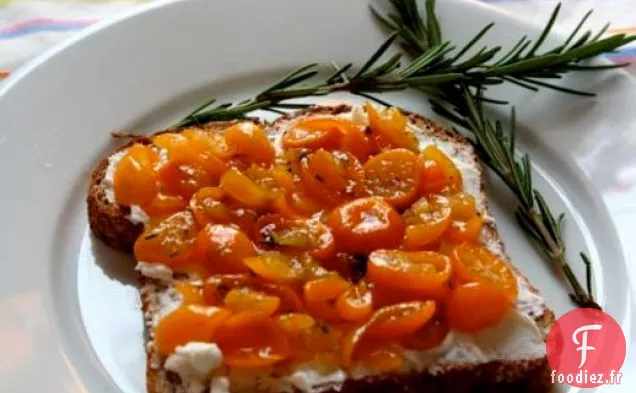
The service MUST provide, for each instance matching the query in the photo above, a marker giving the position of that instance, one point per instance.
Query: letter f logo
(583, 345)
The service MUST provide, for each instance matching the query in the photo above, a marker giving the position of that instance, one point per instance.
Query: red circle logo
(586, 348)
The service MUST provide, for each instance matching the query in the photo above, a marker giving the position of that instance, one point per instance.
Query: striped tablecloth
(27, 27)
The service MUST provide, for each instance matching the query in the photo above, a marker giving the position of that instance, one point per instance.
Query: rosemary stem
(556, 254)
(555, 251)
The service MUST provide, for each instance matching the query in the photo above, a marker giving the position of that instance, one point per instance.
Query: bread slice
(509, 357)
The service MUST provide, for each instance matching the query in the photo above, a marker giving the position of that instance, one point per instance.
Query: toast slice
(509, 357)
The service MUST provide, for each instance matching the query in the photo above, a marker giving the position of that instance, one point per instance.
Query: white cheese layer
(220, 385)
(308, 379)
(108, 183)
(193, 363)
(137, 215)
(158, 271)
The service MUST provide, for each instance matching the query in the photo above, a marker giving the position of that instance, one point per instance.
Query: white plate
(69, 312)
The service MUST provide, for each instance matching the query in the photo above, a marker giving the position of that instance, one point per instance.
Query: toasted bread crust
(110, 224)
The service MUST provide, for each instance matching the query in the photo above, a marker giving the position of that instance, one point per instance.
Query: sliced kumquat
(355, 141)
(290, 301)
(388, 322)
(388, 295)
(445, 247)
(295, 323)
(186, 324)
(333, 177)
(195, 148)
(282, 178)
(327, 362)
(356, 303)
(366, 224)
(177, 146)
(424, 272)
(144, 154)
(213, 165)
(243, 189)
(216, 287)
(246, 299)
(135, 182)
(295, 235)
(243, 218)
(164, 205)
(291, 160)
(350, 341)
(429, 336)
(399, 320)
(315, 133)
(433, 180)
(313, 268)
(452, 176)
(321, 295)
(190, 294)
(464, 231)
(276, 266)
(252, 340)
(211, 151)
(476, 306)
(274, 181)
(208, 142)
(223, 249)
(328, 133)
(389, 129)
(183, 179)
(320, 338)
(380, 358)
(280, 205)
(463, 206)
(393, 175)
(170, 241)
(300, 201)
(249, 142)
(475, 263)
(384, 296)
(207, 207)
(426, 220)
(348, 266)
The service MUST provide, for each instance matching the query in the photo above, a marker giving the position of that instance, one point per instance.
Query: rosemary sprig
(495, 146)
(525, 64)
